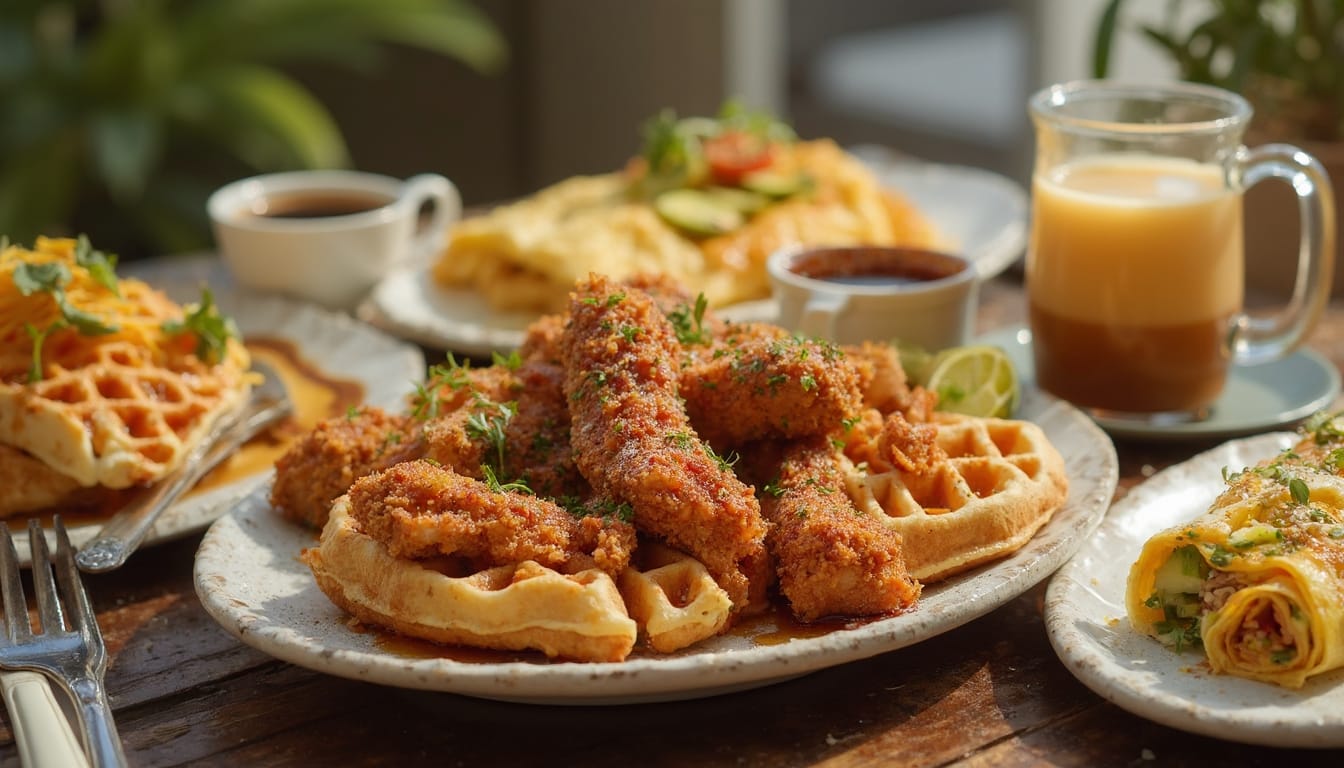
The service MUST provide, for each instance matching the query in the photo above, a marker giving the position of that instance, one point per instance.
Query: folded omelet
(1258, 579)
(527, 255)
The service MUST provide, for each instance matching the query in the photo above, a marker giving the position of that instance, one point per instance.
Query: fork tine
(82, 618)
(17, 627)
(44, 584)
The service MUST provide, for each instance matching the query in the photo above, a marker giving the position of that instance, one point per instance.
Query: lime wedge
(976, 380)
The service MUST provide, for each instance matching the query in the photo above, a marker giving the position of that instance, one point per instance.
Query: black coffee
(317, 205)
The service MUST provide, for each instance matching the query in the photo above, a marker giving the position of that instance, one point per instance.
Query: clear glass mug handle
(1261, 339)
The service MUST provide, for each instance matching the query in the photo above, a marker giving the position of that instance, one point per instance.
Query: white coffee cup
(875, 293)
(328, 236)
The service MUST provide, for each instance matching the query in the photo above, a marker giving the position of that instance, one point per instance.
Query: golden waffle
(1000, 482)
(512, 607)
(673, 598)
(119, 418)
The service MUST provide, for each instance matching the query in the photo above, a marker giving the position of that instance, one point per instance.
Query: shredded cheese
(137, 314)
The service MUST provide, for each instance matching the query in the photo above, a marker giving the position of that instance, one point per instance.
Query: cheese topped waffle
(105, 382)
(991, 484)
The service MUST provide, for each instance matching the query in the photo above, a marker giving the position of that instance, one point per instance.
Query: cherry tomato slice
(734, 154)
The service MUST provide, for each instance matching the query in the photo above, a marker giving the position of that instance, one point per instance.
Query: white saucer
(1256, 399)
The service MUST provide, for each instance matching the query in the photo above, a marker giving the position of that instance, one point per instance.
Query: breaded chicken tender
(831, 559)
(633, 441)
(882, 379)
(323, 464)
(524, 440)
(755, 387)
(419, 510)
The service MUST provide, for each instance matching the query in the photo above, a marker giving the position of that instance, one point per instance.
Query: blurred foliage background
(121, 116)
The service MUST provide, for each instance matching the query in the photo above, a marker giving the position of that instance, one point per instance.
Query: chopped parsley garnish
(1179, 633)
(773, 488)
(808, 382)
(490, 421)
(512, 362)
(689, 322)
(1299, 490)
(492, 482)
(451, 374)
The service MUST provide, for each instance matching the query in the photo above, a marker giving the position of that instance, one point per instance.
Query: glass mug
(1135, 275)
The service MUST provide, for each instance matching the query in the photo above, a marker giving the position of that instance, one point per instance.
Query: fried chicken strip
(760, 386)
(524, 439)
(831, 559)
(633, 441)
(419, 510)
(323, 464)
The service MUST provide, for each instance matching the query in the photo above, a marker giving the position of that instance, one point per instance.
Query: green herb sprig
(212, 328)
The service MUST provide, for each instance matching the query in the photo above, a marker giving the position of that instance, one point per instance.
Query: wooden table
(989, 693)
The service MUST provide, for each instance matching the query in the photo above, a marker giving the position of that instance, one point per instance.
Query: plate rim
(629, 681)
(1088, 659)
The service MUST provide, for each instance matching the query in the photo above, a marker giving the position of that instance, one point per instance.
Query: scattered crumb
(1147, 754)
(831, 741)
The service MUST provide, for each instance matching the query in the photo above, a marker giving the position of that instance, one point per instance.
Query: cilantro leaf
(213, 330)
(39, 339)
(86, 323)
(102, 266)
(50, 277)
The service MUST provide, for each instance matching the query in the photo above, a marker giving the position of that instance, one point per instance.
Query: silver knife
(122, 534)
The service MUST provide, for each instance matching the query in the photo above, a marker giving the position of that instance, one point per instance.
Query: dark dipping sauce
(317, 204)
(875, 267)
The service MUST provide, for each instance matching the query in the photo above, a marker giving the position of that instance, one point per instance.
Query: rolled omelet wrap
(1258, 579)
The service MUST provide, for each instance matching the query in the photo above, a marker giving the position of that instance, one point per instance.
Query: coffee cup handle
(447, 209)
(1261, 339)
(820, 312)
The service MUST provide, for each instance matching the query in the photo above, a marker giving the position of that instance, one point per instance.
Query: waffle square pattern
(994, 483)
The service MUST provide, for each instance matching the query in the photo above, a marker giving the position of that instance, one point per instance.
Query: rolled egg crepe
(1257, 579)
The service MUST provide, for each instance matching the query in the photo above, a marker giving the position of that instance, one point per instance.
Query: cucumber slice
(697, 212)
(774, 184)
(1184, 571)
(747, 202)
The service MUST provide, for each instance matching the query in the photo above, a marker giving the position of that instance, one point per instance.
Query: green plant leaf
(38, 188)
(126, 145)
(456, 30)
(1105, 39)
(270, 121)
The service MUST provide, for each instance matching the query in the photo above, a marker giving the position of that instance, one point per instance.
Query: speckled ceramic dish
(1086, 619)
(386, 369)
(250, 579)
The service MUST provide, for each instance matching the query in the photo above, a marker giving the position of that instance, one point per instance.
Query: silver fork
(122, 534)
(74, 657)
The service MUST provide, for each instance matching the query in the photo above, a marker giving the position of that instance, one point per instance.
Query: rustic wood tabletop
(989, 693)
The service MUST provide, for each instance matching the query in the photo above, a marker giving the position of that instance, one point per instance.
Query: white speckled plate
(386, 368)
(250, 579)
(981, 214)
(1085, 617)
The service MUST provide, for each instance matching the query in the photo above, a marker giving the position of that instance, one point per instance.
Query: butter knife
(124, 532)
